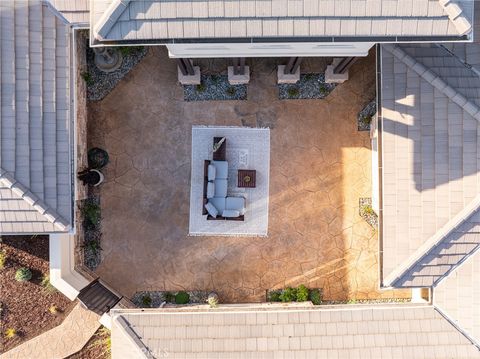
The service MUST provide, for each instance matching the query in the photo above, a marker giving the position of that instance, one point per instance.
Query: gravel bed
(214, 88)
(365, 116)
(311, 86)
(92, 259)
(367, 213)
(99, 83)
(158, 297)
(366, 301)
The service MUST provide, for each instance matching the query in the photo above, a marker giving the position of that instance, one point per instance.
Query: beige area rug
(247, 148)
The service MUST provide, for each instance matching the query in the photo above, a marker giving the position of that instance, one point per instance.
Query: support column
(337, 72)
(187, 73)
(238, 73)
(289, 73)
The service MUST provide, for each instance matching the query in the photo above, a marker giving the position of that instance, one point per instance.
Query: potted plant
(92, 177)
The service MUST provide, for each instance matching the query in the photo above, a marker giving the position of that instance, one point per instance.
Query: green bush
(323, 90)
(201, 88)
(315, 296)
(93, 245)
(147, 301)
(182, 298)
(288, 295)
(129, 50)
(3, 258)
(302, 293)
(87, 77)
(91, 212)
(293, 92)
(169, 297)
(23, 275)
(45, 283)
(274, 296)
(231, 91)
(368, 210)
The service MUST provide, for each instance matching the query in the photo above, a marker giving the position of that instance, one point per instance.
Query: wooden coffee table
(247, 178)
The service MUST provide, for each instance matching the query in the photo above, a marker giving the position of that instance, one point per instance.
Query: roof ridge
(432, 242)
(434, 80)
(456, 15)
(50, 214)
(110, 17)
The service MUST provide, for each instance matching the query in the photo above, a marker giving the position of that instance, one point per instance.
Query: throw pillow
(211, 210)
(210, 190)
(211, 172)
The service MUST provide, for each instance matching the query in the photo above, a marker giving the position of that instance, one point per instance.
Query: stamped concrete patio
(320, 166)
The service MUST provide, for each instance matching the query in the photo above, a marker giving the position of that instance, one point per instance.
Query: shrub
(293, 92)
(366, 119)
(88, 78)
(3, 258)
(309, 76)
(97, 158)
(302, 293)
(215, 79)
(169, 297)
(129, 50)
(93, 245)
(45, 283)
(147, 301)
(212, 301)
(23, 275)
(91, 212)
(182, 298)
(315, 296)
(201, 88)
(10, 333)
(274, 296)
(53, 309)
(323, 90)
(231, 91)
(368, 210)
(288, 295)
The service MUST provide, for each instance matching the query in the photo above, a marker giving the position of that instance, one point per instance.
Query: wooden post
(344, 65)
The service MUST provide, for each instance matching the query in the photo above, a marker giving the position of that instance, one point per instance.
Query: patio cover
(396, 331)
(117, 20)
(35, 120)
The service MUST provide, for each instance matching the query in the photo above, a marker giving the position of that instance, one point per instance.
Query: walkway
(62, 341)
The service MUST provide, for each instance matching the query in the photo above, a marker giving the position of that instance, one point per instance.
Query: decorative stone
(287, 78)
(189, 79)
(238, 79)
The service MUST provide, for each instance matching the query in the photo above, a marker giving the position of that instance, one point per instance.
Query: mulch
(25, 306)
(94, 349)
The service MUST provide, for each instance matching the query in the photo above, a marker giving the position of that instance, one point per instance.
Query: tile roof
(431, 156)
(400, 331)
(458, 296)
(35, 121)
(114, 20)
(74, 11)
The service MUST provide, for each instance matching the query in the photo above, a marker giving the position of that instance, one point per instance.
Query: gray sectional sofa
(217, 205)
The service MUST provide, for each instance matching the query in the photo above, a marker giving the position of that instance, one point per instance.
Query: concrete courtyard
(320, 167)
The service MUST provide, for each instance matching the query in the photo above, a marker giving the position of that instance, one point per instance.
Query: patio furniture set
(217, 204)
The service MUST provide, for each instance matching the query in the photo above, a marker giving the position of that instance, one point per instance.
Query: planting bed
(25, 305)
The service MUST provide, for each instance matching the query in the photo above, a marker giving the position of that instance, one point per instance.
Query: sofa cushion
(230, 213)
(235, 203)
(211, 210)
(221, 169)
(221, 186)
(211, 172)
(219, 203)
(210, 190)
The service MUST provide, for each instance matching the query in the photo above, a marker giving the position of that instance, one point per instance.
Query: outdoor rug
(247, 148)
